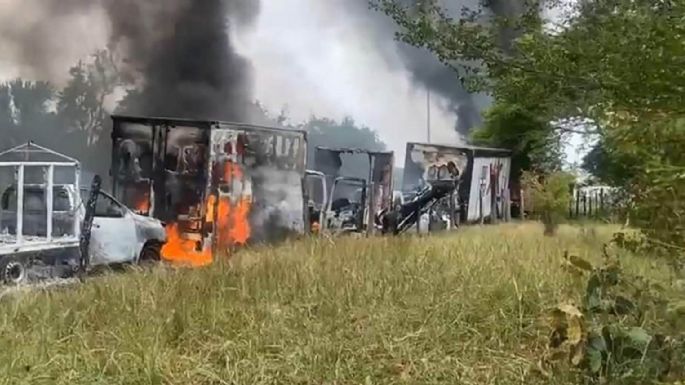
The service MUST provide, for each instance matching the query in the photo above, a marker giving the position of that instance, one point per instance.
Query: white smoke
(316, 59)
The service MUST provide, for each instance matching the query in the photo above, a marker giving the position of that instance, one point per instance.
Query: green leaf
(593, 296)
(596, 350)
(639, 338)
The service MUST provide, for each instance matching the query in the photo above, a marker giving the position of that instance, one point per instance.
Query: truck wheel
(13, 271)
(151, 252)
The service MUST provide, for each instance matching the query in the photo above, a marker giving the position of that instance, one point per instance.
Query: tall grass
(458, 308)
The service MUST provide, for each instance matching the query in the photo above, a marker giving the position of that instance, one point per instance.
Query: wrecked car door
(113, 235)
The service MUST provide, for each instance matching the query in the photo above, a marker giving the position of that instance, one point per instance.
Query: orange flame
(233, 224)
(184, 251)
(230, 220)
(143, 204)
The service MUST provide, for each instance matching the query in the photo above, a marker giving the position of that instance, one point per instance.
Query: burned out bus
(216, 185)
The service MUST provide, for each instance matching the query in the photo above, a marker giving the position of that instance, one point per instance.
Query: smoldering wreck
(52, 227)
(190, 187)
(216, 185)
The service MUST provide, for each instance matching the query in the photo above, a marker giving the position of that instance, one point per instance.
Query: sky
(307, 58)
(310, 60)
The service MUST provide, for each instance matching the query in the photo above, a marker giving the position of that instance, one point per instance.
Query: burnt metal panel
(218, 184)
(159, 167)
(427, 162)
(266, 168)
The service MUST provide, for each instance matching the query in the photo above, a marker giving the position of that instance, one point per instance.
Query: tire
(151, 252)
(13, 271)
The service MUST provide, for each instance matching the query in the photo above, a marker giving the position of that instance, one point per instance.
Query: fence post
(570, 208)
(590, 206)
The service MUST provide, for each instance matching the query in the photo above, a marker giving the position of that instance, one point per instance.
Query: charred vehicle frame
(43, 217)
(482, 176)
(353, 202)
(217, 184)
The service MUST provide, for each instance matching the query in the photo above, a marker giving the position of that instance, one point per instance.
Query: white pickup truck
(118, 235)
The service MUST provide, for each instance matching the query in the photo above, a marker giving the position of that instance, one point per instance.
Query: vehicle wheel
(13, 271)
(151, 252)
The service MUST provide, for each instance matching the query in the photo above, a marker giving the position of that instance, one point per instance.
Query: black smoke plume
(425, 69)
(181, 52)
(177, 54)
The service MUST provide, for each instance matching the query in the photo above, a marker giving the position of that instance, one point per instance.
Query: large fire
(229, 218)
(184, 251)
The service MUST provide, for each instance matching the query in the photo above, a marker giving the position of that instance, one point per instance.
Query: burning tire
(151, 252)
(13, 271)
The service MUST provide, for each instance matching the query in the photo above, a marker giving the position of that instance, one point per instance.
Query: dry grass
(452, 309)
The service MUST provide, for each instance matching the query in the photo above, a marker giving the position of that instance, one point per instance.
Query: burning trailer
(47, 230)
(480, 188)
(216, 185)
(353, 202)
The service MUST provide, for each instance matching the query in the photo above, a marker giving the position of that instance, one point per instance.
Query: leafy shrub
(549, 195)
(628, 330)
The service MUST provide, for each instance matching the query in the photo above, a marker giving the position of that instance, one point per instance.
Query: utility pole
(428, 113)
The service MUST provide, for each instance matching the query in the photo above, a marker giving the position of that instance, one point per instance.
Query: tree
(346, 133)
(25, 111)
(608, 166)
(7, 123)
(76, 114)
(526, 134)
(550, 194)
(81, 104)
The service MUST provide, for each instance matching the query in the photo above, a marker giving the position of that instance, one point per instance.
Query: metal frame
(315, 175)
(47, 242)
(368, 214)
(364, 202)
(160, 127)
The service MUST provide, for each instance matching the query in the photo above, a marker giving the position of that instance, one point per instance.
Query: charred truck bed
(216, 185)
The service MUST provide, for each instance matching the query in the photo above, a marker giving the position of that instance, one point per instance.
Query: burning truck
(216, 185)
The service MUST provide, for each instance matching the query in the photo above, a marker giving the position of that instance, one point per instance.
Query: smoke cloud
(425, 69)
(41, 39)
(182, 52)
(178, 52)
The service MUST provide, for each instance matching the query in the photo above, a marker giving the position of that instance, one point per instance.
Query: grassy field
(458, 308)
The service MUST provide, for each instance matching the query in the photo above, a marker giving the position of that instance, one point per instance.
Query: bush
(549, 195)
